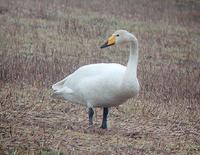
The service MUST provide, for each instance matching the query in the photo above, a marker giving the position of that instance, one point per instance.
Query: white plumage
(104, 84)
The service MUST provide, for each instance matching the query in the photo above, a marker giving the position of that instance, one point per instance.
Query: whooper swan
(103, 84)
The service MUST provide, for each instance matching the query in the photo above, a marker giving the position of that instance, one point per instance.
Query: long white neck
(130, 86)
(131, 70)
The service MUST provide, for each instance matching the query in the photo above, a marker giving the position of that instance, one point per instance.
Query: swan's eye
(117, 35)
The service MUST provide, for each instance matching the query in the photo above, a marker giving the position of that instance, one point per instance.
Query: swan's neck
(131, 70)
(130, 86)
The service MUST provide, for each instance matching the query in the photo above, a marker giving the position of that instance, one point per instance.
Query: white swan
(104, 84)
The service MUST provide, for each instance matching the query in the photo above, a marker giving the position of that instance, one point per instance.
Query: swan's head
(119, 37)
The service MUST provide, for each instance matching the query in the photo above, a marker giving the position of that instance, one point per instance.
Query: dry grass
(46, 124)
(43, 41)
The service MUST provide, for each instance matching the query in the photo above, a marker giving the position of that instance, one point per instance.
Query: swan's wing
(74, 86)
(103, 88)
(86, 71)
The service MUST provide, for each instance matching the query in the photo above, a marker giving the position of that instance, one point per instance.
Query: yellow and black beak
(111, 41)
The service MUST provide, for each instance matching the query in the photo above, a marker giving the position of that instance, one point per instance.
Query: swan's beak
(111, 41)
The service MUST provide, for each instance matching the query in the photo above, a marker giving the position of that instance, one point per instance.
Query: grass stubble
(43, 41)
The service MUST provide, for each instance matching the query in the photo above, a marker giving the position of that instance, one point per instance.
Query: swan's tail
(59, 89)
(58, 85)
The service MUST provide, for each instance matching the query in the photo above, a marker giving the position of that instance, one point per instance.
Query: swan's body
(105, 84)
(96, 85)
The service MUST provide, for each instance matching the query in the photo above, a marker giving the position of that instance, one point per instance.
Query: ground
(46, 124)
(41, 42)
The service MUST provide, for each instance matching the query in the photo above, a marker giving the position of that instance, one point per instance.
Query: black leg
(90, 114)
(105, 115)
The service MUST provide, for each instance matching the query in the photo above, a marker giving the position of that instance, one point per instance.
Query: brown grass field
(42, 41)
